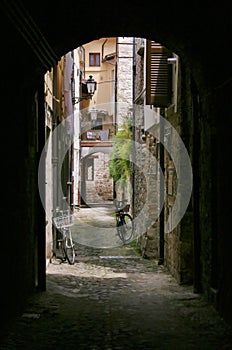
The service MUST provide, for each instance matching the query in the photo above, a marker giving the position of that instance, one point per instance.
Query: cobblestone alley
(113, 299)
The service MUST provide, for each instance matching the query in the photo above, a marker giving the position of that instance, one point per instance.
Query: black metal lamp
(91, 86)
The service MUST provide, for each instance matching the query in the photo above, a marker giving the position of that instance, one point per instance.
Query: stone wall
(178, 244)
(101, 188)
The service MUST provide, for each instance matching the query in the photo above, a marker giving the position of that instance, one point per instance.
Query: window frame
(96, 59)
(97, 124)
(89, 162)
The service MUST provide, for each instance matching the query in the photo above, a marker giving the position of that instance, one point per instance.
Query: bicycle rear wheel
(126, 228)
(69, 247)
(60, 247)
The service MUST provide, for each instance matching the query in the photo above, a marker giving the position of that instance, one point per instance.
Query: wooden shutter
(158, 75)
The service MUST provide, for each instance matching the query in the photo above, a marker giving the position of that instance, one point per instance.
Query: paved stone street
(112, 299)
(95, 227)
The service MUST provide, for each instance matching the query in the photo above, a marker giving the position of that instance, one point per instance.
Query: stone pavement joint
(114, 299)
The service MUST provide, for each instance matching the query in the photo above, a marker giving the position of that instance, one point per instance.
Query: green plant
(120, 156)
(135, 246)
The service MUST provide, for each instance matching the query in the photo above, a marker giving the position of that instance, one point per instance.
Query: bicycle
(63, 221)
(124, 221)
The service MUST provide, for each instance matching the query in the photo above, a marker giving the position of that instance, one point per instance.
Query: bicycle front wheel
(127, 228)
(120, 230)
(69, 248)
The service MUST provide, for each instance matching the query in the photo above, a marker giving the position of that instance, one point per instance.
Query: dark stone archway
(34, 35)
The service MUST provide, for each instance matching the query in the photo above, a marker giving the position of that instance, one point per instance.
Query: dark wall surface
(34, 35)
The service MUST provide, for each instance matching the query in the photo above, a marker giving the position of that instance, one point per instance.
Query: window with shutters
(158, 75)
(94, 59)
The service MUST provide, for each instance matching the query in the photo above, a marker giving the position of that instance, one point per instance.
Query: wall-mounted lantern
(91, 88)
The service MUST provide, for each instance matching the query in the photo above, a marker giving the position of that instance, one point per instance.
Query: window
(158, 78)
(90, 169)
(94, 59)
(97, 124)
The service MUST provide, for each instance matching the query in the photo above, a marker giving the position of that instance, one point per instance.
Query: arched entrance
(38, 35)
(96, 184)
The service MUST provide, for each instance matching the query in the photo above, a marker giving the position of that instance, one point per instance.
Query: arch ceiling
(197, 32)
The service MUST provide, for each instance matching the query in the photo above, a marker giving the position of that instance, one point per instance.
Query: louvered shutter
(158, 75)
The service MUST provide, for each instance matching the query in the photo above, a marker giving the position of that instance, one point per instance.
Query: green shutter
(157, 75)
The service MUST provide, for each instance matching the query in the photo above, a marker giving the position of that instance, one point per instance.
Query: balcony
(92, 137)
(97, 131)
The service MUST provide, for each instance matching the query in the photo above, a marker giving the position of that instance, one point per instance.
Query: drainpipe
(83, 53)
(54, 155)
(133, 129)
(72, 170)
(103, 45)
(161, 199)
(115, 105)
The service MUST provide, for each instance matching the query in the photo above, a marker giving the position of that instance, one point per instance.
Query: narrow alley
(163, 83)
(113, 299)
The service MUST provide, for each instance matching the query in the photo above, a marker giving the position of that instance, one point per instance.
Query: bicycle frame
(124, 221)
(65, 242)
(119, 215)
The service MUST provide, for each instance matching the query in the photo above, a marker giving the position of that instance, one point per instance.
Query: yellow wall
(104, 75)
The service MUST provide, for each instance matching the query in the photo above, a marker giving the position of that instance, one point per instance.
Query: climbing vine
(120, 162)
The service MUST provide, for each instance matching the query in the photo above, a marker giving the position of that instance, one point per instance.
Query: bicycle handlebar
(123, 201)
(121, 205)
